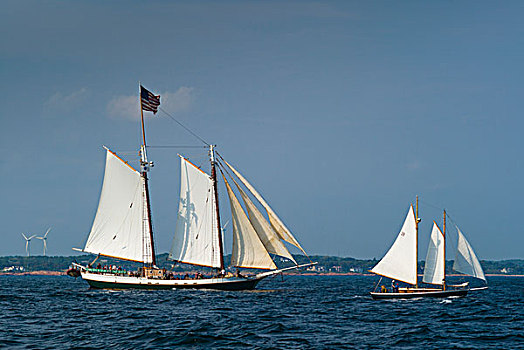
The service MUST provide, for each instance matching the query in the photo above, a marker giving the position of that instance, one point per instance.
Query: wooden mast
(417, 220)
(215, 192)
(144, 167)
(444, 234)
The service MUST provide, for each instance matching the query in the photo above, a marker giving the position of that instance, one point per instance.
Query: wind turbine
(44, 239)
(223, 229)
(27, 240)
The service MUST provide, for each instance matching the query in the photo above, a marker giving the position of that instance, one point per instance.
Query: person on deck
(394, 286)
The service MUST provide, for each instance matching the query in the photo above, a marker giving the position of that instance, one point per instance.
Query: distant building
(316, 268)
(335, 268)
(13, 269)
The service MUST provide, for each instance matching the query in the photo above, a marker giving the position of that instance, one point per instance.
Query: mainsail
(466, 261)
(400, 261)
(248, 250)
(121, 227)
(196, 232)
(276, 223)
(434, 268)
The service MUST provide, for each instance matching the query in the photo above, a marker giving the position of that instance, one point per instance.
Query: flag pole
(142, 114)
(144, 168)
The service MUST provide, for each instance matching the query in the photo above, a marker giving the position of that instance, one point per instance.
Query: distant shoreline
(63, 273)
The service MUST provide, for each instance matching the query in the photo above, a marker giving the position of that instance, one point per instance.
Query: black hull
(232, 285)
(421, 294)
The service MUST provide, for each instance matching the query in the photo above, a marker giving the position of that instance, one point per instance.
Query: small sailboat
(123, 229)
(400, 263)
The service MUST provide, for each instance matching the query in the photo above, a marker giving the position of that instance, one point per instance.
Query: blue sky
(339, 112)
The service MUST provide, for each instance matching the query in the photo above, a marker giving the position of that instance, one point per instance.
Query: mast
(417, 220)
(144, 168)
(444, 234)
(215, 192)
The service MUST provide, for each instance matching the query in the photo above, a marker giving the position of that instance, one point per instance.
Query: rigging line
(219, 162)
(429, 204)
(450, 219)
(174, 146)
(183, 126)
(220, 165)
(435, 207)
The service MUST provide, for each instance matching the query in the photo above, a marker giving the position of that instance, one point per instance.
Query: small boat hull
(421, 294)
(72, 272)
(101, 281)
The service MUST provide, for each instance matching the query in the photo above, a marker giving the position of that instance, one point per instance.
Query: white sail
(264, 230)
(248, 249)
(434, 268)
(121, 227)
(196, 232)
(278, 225)
(466, 261)
(400, 262)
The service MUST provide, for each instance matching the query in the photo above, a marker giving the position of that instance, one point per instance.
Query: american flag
(150, 102)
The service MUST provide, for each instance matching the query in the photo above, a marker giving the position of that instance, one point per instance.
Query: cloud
(60, 102)
(414, 165)
(178, 101)
(128, 107)
(124, 107)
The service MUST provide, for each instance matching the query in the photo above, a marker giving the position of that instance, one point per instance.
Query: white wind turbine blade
(44, 239)
(45, 245)
(27, 247)
(45, 236)
(26, 244)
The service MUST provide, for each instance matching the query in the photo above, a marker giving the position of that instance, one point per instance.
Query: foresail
(265, 232)
(276, 223)
(120, 228)
(196, 232)
(400, 261)
(248, 249)
(434, 267)
(466, 261)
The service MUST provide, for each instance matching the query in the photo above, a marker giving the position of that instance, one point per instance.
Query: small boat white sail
(466, 261)
(434, 267)
(400, 263)
(122, 227)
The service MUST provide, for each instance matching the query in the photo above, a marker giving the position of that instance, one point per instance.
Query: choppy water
(299, 313)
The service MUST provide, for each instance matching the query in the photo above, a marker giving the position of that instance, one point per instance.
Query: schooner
(400, 263)
(123, 229)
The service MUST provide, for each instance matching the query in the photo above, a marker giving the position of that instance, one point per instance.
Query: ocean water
(322, 312)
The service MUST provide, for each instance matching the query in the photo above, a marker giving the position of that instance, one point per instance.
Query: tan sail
(248, 249)
(264, 230)
(276, 223)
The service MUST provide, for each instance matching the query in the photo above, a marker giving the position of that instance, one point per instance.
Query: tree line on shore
(326, 264)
